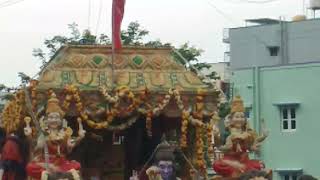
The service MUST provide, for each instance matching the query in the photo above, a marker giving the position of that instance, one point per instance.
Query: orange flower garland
(33, 89)
(209, 141)
(199, 150)
(184, 128)
(12, 112)
(122, 92)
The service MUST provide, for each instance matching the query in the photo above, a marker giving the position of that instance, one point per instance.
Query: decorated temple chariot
(137, 114)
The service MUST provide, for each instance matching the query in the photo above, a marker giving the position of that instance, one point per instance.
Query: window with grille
(289, 177)
(273, 50)
(288, 119)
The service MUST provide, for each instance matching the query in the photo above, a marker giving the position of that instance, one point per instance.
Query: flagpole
(112, 49)
(117, 16)
(112, 65)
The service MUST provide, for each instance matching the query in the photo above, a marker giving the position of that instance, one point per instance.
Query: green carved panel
(97, 59)
(138, 60)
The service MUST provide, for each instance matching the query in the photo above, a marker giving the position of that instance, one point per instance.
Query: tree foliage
(53, 44)
(24, 78)
(6, 93)
(133, 35)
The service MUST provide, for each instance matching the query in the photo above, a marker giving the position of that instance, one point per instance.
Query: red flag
(117, 16)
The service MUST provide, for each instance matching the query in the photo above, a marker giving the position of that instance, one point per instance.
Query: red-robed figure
(57, 137)
(14, 156)
(240, 141)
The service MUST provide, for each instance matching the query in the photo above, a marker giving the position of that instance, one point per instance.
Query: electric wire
(99, 17)
(89, 14)
(9, 3)
(6, 2)
(252, 1)
(231, 19)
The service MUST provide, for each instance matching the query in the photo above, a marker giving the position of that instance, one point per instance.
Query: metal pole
(38, 127)
(303, 7)
(112, 66)
(113, 50)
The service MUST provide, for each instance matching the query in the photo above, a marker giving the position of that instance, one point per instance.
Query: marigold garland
(199, 150)
(11, 115)
(122, 92)
(184, 128)
(209, 140)
(33, 89)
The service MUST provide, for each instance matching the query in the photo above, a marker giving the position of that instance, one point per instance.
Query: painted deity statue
(164, 164)
(53, 146)
(240, 141)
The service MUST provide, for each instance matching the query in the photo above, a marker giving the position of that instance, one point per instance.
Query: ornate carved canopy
(90, 67)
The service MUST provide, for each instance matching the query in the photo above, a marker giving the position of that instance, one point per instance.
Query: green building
(276, 69)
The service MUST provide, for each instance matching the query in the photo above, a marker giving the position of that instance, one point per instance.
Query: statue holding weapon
(54, 143)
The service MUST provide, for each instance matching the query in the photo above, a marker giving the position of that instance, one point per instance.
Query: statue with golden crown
(53, 145)
(240, 141)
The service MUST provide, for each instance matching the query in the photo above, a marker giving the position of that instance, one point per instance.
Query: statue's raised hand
(27, 129)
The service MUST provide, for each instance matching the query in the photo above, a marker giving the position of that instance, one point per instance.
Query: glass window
(273, 50)
(288, 119)
(285, 125)
(285, 113)
(294, 177)
(293, 113)
(286, 177)
(293, 124)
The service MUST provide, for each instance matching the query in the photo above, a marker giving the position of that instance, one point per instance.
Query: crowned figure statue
(241, 140)
(164, 163)
(53, 146)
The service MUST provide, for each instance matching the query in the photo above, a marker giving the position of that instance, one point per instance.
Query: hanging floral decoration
(140, 103)
(33, 89)
(123, 92)
(199, 149)
(184, 128)
(73, 95)
(209, 140)
(11, 116)
(202, 131)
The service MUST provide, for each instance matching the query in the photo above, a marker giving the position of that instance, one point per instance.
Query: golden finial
(53, 105)
(237, 105)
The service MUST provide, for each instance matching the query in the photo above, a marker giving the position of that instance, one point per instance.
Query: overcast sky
(24, 26)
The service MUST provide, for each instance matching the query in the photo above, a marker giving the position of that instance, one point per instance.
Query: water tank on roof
(314, 4)
(299, 18)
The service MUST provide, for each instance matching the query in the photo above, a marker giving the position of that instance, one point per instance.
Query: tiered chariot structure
(92, 114)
